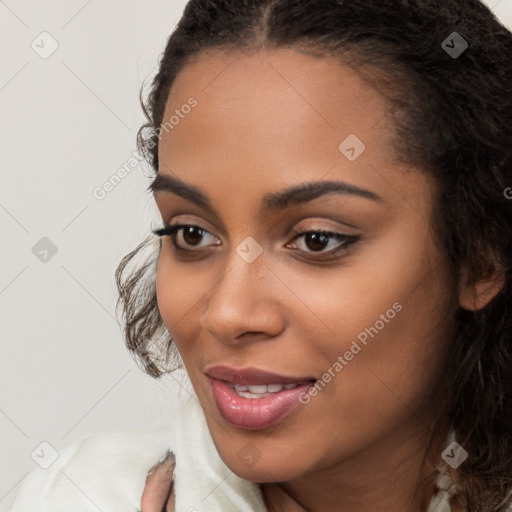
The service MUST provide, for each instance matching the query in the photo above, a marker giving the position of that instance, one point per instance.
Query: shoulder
(102, 472)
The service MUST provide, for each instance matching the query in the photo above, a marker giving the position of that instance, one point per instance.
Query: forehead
(274, 117)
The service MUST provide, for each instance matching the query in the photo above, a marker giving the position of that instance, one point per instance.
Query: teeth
(262, 388)
(252, 395)
(259, 390)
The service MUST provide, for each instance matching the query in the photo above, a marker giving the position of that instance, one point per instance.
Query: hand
(158, 495)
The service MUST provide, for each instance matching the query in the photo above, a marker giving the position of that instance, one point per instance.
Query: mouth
(252, 399)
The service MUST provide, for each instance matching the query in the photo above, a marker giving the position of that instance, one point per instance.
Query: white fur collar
(106, 473)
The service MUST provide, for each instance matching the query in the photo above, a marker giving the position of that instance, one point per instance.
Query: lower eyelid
(344, 242)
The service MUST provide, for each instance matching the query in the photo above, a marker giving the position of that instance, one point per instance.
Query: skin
(263, 123)
(159, 492)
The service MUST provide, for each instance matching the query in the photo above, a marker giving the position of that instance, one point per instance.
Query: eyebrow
(274, 201)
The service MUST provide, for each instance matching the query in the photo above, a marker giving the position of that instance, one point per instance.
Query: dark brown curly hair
(453, 118)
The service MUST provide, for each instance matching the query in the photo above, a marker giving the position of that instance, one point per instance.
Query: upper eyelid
(273, 211)
(319, 218)
(186, 222)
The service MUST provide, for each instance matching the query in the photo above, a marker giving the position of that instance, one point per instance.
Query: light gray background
(68, 124)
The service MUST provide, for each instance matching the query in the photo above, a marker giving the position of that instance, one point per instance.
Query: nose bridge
(241, 301)
(245, 272)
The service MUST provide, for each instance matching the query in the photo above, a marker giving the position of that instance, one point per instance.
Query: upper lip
(250, 376)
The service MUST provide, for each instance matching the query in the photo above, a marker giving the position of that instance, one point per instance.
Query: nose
(244, 303)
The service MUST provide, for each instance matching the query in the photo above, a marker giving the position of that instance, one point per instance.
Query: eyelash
(350, 240)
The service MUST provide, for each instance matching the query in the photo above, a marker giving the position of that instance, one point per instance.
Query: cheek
(393, 343)
(181, 297)
(165, 288)
(176, 292)
(386, 313)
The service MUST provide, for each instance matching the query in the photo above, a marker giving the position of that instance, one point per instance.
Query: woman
(333, 271)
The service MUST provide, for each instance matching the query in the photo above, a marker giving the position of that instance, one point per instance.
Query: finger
(157, 486)
(171, 500)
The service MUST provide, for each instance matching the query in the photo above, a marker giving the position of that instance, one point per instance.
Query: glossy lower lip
(255, 413)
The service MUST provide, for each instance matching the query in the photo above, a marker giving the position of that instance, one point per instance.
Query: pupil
(315, 237)
(190, 230)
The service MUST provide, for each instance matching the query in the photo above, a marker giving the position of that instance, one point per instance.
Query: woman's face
(368, 321)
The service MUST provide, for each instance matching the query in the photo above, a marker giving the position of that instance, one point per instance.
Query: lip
(255, 413)
(252, 376)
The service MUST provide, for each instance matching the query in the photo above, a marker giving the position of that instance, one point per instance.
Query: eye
(316, 241)
(189, 233)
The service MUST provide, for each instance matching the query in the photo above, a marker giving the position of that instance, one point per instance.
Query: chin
(264, 470)
(262, 475)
